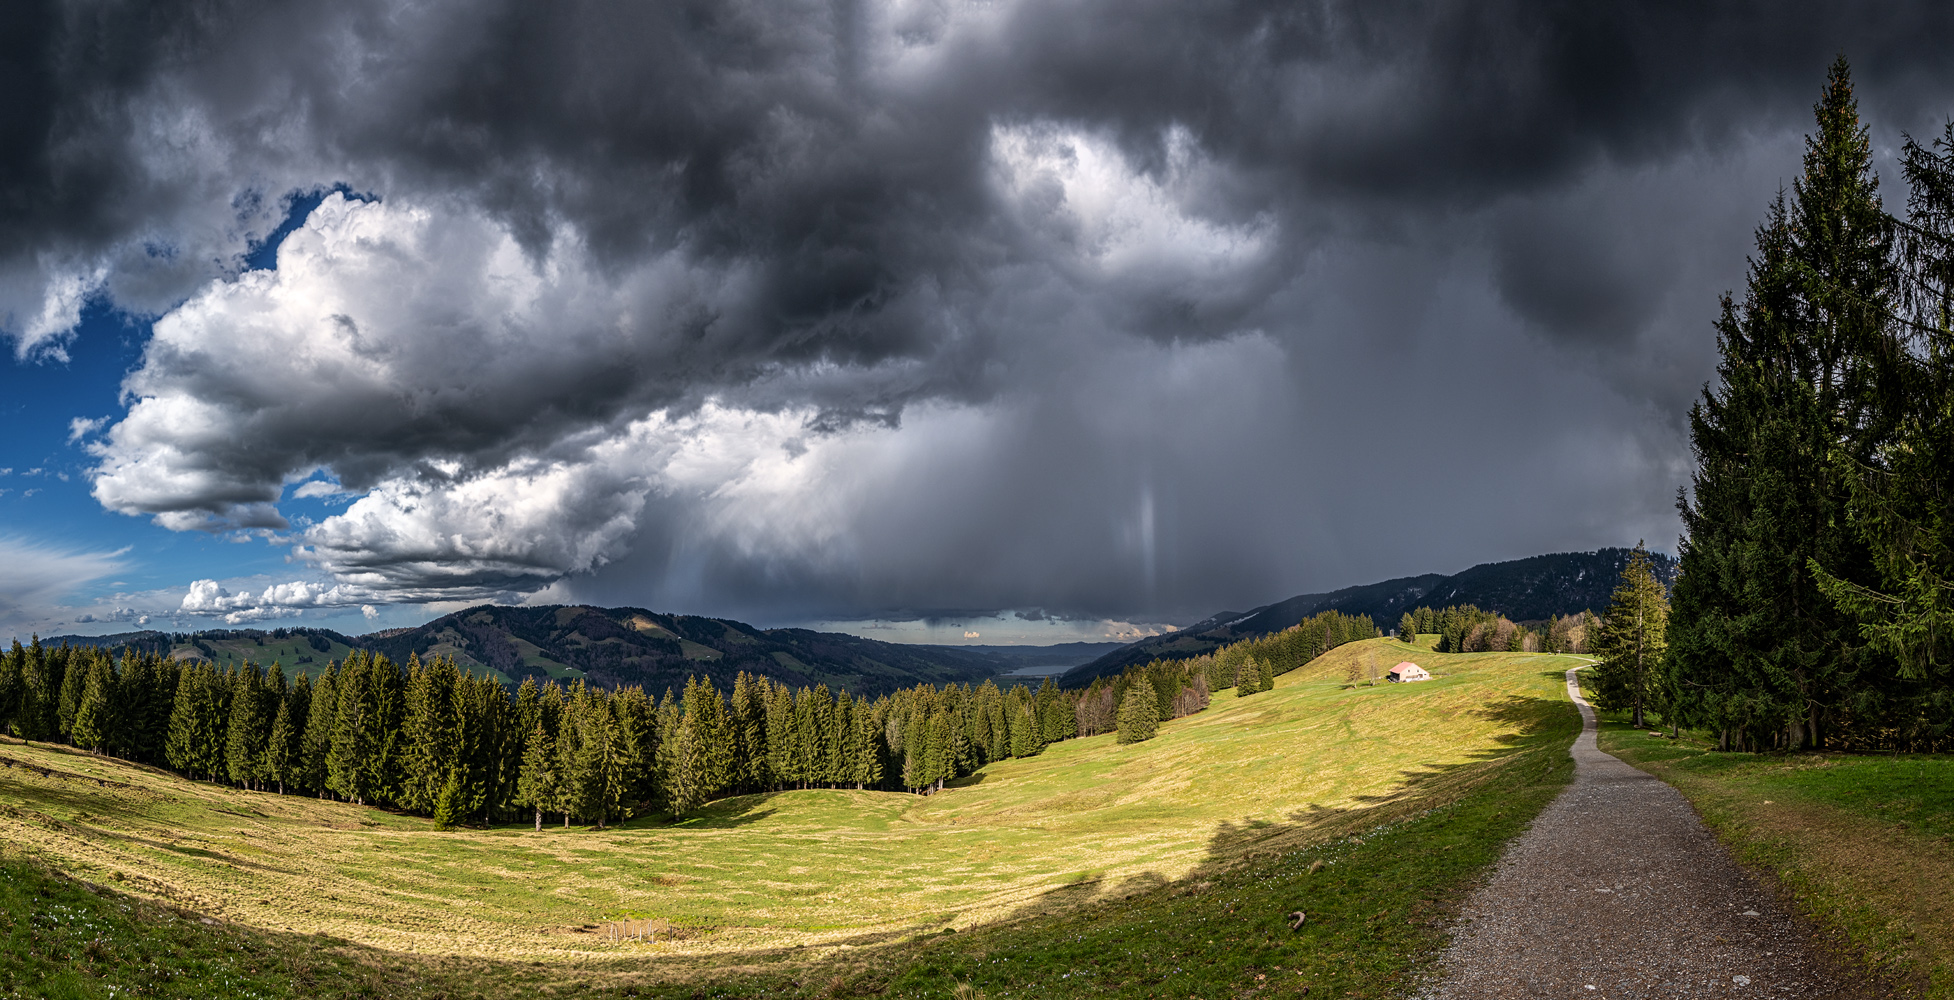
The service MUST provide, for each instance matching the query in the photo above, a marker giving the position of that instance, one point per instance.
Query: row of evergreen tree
(429, 738)
(1251, 665)
(1814, 603)
(1466, 628)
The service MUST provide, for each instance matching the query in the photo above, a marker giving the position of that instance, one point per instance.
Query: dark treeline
(1814, 604)
(428, 738)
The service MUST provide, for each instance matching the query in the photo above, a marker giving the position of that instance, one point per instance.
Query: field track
(1618, 890)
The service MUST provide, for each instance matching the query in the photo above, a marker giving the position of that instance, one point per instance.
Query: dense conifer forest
(1814, 602)
(427, 737)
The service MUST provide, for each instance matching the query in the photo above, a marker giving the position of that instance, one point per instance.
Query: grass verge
(1861, 844)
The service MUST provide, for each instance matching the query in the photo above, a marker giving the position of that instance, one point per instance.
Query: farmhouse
(1408, 671)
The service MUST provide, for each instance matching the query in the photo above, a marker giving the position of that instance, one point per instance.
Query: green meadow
(1107, 869)
(292, 653)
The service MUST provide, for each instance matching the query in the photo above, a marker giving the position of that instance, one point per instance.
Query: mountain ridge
(612, 647)
(1533, 588)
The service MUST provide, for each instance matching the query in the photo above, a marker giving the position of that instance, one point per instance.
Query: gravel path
(1617, 890)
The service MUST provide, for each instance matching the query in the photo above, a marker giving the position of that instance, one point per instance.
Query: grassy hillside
(1860, 841)
(293, 653)
(1401, 791)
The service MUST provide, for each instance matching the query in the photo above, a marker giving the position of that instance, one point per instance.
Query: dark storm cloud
(750, 130)
(797, 207)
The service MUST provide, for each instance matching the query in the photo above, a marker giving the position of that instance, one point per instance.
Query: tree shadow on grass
(720, 814)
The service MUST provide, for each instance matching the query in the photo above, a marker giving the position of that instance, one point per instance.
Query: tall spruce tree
(97, 722)
(686, 772)
(281, 747)
(1759, 653)
(315, 748)
(243, 740)
(73, 673)
(1900, 504)
(539, 788)
(1633, 641)
(1139, 713)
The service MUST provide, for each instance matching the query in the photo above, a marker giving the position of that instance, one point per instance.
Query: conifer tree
(838, 740)
(241, 741)
(749, 728)
(96, 719)
(281, 747)
(351, 762)
(538, 788)
(598, 781)
(37, 718)
(1139, 713)
(1248, 678)
(72, 670)
(11, 665)
(1632, 640)
(449, 803)
(781, 758)
(1899, 494)
(1408, 628)
(431, 740)
(685, 788)
(198, 723)
(1264, 677)
(866, 760)
(1760, 652)
(316, 745)
(1024, 732)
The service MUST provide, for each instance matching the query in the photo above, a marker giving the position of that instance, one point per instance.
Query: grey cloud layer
(598, 217)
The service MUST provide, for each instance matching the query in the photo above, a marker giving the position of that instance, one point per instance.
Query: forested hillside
(618, 646)
(1534, 589)
(607, 647)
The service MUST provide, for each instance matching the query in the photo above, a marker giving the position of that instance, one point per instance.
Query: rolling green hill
(807, 892)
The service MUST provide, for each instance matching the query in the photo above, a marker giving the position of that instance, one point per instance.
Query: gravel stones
(1618, 890)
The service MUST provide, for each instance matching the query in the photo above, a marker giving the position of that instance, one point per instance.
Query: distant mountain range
(1524, 590)
(612, 646)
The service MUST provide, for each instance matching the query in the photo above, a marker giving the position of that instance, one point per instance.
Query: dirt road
(1618, 890)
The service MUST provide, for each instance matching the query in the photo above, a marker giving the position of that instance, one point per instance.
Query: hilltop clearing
(1068, 835)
